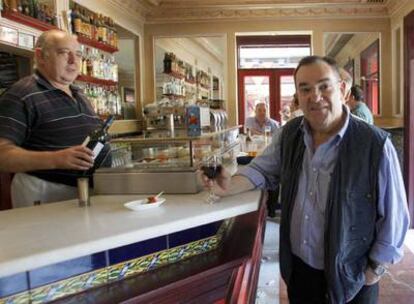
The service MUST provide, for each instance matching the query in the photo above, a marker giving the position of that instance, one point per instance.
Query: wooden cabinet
(5, 199)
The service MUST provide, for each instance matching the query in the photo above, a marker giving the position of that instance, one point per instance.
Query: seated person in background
(347, 79)
(295, 111)
(43, 121)
(357, 105)
(261, 120)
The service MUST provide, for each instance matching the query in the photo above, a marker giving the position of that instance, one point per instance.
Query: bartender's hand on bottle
(219, 185)
(76, 158)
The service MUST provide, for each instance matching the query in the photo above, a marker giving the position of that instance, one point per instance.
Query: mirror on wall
(189, 69)
(126, 59)
(358, 53)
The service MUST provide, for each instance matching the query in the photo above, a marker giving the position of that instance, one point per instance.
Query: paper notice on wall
(9, 35)
(26, 40)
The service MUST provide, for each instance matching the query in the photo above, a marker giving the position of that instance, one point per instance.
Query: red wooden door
(370, 76)
(271, 86)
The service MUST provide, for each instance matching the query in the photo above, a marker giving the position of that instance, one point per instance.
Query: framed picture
(129, 95)
(349, 67)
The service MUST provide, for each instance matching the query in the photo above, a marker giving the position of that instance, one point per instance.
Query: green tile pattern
(69, 286)
(161, 258)
(19, 298)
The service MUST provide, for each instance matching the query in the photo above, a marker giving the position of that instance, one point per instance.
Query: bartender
(44, 119)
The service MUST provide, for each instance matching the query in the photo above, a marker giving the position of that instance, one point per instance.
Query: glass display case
(154, 162)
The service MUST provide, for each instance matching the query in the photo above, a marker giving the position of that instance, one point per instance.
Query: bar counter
(33, 238)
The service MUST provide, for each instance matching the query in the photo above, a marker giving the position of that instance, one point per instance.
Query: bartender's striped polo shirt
(37, 116)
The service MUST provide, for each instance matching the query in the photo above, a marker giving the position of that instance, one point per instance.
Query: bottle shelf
(27, 20)
(192, 82)
(180, 76)
(96, 44)
(97, 81)
(203, 87)
(174, 95)
(175, 75)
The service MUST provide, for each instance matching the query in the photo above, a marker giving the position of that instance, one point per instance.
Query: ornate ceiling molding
(207, 15)
(395, 5)
(132, 9)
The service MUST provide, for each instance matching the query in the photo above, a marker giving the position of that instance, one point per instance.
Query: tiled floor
(397, 287)
(268, 286)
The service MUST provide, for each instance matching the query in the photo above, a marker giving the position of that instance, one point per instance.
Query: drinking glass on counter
(211, 167)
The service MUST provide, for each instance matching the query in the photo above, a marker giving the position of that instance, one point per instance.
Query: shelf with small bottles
(93, 29)
(175, 67)
(105, 100)
(203, 80)
(173, 95)
(98, 67)
(33, 13)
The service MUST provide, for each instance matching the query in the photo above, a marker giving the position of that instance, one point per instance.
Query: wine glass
(211, 167)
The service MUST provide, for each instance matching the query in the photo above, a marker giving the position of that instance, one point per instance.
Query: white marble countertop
(41, 235)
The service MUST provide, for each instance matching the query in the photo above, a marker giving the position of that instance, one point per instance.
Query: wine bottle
(96, 142)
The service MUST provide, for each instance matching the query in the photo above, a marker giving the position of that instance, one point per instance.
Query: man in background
(260, 121)
(347, 79)
(358, 106)
(43, 121)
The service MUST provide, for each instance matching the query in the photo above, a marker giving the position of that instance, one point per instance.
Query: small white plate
(143, 204)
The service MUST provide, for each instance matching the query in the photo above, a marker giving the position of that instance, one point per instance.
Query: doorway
(265, 72)
(275, 87)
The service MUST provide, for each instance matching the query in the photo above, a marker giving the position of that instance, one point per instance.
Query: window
(270, 52)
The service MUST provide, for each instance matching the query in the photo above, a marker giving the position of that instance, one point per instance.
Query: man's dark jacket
(350, 213)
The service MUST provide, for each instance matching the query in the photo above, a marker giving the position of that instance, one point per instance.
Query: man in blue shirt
(344, 209)
(260, 121)
(357, 105)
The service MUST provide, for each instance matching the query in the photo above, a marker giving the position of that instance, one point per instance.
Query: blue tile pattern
(193, 234)
(13, 284)
(136, 250)
(60, 271)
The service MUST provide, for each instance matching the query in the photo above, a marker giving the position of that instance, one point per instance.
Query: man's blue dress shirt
(307, 225)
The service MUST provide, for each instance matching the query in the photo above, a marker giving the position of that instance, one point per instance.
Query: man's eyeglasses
(324, 87)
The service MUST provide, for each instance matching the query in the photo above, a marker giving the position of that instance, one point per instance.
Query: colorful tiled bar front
(62, 279)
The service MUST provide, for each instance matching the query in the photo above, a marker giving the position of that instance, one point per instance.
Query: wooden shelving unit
(96, 44)
(27, 20)
(97, 81)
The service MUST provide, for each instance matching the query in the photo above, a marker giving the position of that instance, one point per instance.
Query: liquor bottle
(76, 20)
(115, 38)
(167, 63)
(96, 142)
(93, 26)
(33, 8)
(41, 12)
(20, 6)
(25, 7)
(10, 5)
